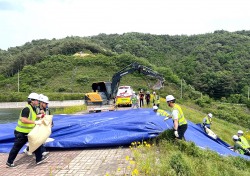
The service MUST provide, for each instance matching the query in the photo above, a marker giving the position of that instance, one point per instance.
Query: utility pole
(18, 81)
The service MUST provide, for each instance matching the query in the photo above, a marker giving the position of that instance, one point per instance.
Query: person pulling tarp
(239, 147)
(207, 121)
(243, 139)
(160, 112)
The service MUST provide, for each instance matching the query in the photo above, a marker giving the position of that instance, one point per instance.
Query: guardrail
(64, 103)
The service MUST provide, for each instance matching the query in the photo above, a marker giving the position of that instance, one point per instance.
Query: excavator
(102, 97)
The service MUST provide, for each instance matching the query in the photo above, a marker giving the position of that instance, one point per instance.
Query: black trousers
(20, 141)
(181, 131)
(141, 102)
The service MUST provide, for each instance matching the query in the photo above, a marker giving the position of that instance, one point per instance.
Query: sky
(22, 21)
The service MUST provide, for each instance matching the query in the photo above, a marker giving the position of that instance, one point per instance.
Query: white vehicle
(123, 96)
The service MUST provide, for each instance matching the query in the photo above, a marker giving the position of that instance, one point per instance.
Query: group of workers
(30, 116)
(138, 100)
(241, 144)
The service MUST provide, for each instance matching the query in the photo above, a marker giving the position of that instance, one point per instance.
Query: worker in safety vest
(156, 99)
(134, 100)
(207, 121)
(243, 139)
(180, 123)
(42, 108)
(239, 147)
(160, 112)
(26, 122)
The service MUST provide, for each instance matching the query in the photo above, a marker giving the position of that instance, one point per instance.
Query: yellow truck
(123, 96)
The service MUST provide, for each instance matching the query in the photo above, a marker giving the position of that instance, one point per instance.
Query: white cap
(155, 107)
(210, 115)
(34, 96)
(45, 99)
(169, 98)
(153, 92)
(235, 137)
(240, 132)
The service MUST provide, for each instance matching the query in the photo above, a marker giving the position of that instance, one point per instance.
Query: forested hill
(217, 64)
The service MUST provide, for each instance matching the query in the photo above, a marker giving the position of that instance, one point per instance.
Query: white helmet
(45, 99)
(210, 115)
(41, 97)
(155, 107)
(153, 92)
(33, 96)
(235, 137)
(170, 98)
(240, 132)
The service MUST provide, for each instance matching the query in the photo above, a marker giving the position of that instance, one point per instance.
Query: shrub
(179, 164)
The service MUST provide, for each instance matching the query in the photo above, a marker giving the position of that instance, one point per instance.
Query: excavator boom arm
(130, 69)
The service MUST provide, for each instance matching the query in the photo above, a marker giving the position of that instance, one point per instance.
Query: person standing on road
(141, 95)
(147, 97)
(180, 123)
(156, 99)
(134, 100)
(25, 124)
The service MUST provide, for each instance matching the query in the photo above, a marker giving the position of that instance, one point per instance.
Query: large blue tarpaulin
(115, 128)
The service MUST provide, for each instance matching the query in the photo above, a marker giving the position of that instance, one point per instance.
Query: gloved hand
(166, 118)
(38, 122)
(176, 134)
(41, 115)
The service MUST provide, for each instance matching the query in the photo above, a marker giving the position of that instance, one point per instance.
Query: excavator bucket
(158, 85)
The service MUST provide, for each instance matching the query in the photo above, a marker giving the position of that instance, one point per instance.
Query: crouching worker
(243, 139)
(160, 112)
(239, 147)
(207, 121)
(25, 124)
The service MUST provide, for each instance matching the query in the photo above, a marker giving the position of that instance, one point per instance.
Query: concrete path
(86, 162)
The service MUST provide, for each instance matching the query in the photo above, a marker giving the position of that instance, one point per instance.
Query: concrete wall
(51, 104)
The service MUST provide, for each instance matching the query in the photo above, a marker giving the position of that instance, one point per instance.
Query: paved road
(86, 162)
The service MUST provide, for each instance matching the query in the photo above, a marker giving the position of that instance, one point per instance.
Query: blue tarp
(116, 128)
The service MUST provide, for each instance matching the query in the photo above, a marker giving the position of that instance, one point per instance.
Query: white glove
(176, 134)
(166, 118)
(38, 122)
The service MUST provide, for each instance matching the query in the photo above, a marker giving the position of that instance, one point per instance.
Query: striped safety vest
(24, 127)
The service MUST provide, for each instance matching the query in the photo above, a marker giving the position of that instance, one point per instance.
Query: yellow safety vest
(181, 118)
(207, 120)
(24, 127)
(240, 147)
(162, 112)
(244, 142)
